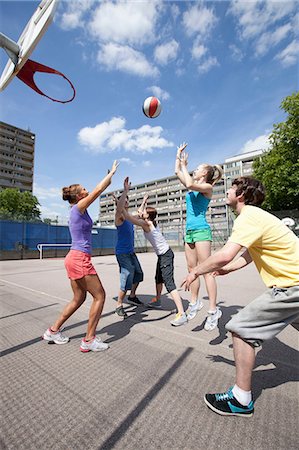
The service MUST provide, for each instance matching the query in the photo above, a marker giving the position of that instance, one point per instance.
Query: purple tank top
(80, 226)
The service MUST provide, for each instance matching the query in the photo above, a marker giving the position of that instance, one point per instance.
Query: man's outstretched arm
(221, 258)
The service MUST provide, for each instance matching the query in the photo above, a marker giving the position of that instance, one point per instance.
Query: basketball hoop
(26, 74)
(19, 63)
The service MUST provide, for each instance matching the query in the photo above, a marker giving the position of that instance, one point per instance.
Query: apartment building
(16, 157)
(167, 195)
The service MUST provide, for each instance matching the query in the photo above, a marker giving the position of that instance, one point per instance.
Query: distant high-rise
(16, 157)
(167, 195)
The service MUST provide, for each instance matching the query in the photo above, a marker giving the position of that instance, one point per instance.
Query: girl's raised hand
(184, 159)
(127, 184)
(180, 149)
(114, 167)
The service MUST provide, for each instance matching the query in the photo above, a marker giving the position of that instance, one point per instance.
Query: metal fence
(19, 240)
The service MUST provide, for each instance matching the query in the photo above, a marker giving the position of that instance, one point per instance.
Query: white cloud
(175, 11)
(46, 193)
(146, 163)
(112, 136)
(289, 56)
(198, 50)
(272, 38)
(73, 16)
(199, 20)
(127, 161)
(261, 22)
(158, 92)
(126, 59)
(255, 16)
(260, 142)
(236, 53)
(167, 52)
(207, 64)
(125, 22)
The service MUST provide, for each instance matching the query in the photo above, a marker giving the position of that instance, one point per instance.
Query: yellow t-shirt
(273, 247)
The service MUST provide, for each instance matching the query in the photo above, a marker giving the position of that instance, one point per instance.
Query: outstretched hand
(127, 184)
(114, 167)
(184, 159)
(180, 149)
(188, 280)
(219, 272)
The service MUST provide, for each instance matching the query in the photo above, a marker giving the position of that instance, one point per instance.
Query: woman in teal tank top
(198, 238)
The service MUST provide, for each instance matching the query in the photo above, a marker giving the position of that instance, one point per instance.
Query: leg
(155, 301)
(133, 290)
(121, 297)
(203, 250)
(191, 257)
(126, 271)
(244, 355)
(93, 285)
(137, 278)
(78, 299)
(178, 301)
(159, 288)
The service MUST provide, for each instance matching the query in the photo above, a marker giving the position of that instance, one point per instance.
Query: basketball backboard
(20, 51)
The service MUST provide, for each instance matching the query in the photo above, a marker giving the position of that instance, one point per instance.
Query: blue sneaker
(227, 405)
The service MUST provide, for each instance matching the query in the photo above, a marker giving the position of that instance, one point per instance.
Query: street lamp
(227, 185)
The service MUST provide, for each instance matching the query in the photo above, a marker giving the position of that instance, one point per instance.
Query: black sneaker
(121, 312)
(134, 301)
(227, 405)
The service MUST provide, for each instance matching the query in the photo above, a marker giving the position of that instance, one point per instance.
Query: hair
(152, 214)
(252, 190)
(214, 173)
(70, 193)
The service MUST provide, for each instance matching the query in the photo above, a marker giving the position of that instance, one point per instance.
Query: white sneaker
(56, 338)
(180, 319)
(95, 345)
(193, 309)
(212, 319)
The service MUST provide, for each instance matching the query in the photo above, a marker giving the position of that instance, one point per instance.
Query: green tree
(16, 205)
(278, 169)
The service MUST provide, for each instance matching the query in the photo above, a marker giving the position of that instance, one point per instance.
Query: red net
(26, 74)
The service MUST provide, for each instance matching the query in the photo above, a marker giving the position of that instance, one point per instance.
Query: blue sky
(220, 70)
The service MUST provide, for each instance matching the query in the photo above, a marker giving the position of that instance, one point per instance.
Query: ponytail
(214, 173)
(218, 172)
(70, 193)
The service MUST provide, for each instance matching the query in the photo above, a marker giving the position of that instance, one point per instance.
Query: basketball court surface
(146, 391)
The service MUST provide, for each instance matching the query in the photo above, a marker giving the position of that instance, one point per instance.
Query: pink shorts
(78, 265)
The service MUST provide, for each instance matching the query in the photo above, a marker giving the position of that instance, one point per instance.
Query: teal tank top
(197, 205)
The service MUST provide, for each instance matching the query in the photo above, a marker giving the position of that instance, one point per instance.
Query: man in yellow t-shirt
(260, 237)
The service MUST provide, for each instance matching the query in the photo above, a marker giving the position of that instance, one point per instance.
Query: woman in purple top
(82, 274)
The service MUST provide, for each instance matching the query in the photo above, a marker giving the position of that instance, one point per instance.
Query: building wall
(167, 195)
(16, 157)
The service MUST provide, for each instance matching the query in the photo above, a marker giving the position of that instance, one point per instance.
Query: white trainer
(56, 338)
(212, 319)
(193, 309)
(180, 319)
(95, 345)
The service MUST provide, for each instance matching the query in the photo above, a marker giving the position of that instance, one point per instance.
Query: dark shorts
(129, 269)
(164, 270)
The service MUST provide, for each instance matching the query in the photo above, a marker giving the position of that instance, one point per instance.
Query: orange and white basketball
(151, 107)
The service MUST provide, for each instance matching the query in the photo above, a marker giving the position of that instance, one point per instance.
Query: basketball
(151, 107)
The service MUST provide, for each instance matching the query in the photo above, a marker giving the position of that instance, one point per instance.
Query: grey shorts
(267, 315)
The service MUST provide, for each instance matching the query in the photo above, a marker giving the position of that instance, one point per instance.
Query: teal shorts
(198, 235)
